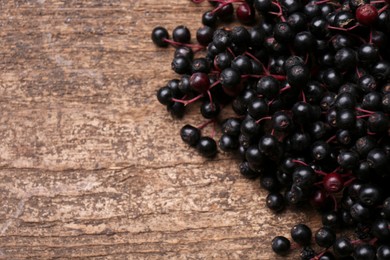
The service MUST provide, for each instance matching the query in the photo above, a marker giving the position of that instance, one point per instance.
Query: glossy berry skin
(367, 83)
(209, 19)
(268, 86)
(275, 202)
(292, 61)
(372, 101)
(242, 64)
(181, 65)
(283, 32)
(333, 182)
(383, 252)
(381, 230)
(345, 101)
(304, 176)
(343, 247)
(181, 34)
(200, 82)
(366, 14)
(281, 245)
(295, 195)
(204, 35)
(249, 127)
(164, 95)
(159, 34)
(297, 21)
(302, 112)
(258, 108)
(332, 78)
(281, 121)
(207, 146)
(344, 19)
(381, 70)
(262, 6)
(230, 77)
(298, 76)
(319, 27)
(231, 126)
(228, 143)
(245, 13)
(303, 42)
(385, 213)
(360, 213)
(209, 109)
(325, 237)
(378, 159)
(222, 60)
(348, 159)
(370, 195)
(301, 234)
(247, 172)
(319, 199)
(226, 12)
(341, 41)
(254, 156)
(299, 141)
(345, 59)
(190, 135)
(185, 52)
(201, 65)
(327, 256)
(368, 53)
(268, 144)
(378, 122)
(364, 252)
(221, 39)
(331, 219)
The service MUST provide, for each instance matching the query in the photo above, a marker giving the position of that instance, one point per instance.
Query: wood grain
(91, 166)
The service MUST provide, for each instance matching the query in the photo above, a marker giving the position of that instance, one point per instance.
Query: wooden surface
(90, 164)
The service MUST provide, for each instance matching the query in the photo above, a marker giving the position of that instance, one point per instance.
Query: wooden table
(91, 165)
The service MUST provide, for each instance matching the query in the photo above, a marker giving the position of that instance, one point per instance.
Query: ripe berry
(164, 95)
(281, 245)
(364, 252)
(309, 86)
(245, 13)
(383, 252)
(275, 202)
(181, 34)
(159, 35)
(230, 77)
(209, 109)
(190, 135)
(228, 143)
(325, 237)
(181, 65)
(343, 247)
(207, 146)
(301, 234)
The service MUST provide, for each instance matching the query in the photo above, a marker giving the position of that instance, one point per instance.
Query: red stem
(263, 118)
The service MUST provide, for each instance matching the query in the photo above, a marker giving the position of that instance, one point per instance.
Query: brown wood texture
(91, 166)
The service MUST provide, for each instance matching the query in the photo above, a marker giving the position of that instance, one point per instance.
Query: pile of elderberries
(309, 82)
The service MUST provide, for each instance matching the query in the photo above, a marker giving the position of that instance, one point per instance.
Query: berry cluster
(309, 82)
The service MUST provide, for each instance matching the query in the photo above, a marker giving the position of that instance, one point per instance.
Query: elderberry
(308, 84)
